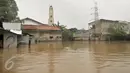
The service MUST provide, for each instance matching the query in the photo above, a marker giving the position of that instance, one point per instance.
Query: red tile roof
(30, 27)
(40, 27)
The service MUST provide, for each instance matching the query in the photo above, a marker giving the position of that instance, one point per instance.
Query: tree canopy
(117, 31)
(8, 10)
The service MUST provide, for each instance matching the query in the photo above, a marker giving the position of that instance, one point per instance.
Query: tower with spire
(51, 16)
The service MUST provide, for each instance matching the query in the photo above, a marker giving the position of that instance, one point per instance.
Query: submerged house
(40, 32)
(81, 35)
(100, 28)
(8, 35)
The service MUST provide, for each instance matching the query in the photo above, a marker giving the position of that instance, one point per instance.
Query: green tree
(73, 30)
(118, 31)
(8, 10)
(62, 27)
(67, 34)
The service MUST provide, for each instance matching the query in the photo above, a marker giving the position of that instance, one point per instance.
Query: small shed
(8, 35)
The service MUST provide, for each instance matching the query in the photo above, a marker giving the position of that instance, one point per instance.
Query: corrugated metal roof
(16, 31)
(10, 26)
(13, 27)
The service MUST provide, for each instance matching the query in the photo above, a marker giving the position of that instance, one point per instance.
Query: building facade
(40, 31)
(8, 35)
(81, 35)
(100, 28)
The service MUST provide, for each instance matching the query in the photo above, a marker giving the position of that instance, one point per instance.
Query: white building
(100, 29)
(40, 31)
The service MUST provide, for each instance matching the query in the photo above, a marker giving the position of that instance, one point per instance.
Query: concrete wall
(45, 35)
(10, 40)
(106, 25)
(50, 36)
(98, 27)
(102, 26)
(24, 39)
(81, 35)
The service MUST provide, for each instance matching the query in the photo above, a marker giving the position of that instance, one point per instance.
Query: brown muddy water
(67, 57)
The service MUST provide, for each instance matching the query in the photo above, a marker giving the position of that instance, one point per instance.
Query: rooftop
(40, 27)
(32, 20)
(107, 20)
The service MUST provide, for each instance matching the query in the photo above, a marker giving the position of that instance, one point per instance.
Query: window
(51, 37)
(58, 37)
(51, 16)
(50, 20)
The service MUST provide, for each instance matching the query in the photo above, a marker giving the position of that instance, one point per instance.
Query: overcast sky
(74, 13)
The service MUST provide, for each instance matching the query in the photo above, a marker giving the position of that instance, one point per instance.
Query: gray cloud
(74, 13)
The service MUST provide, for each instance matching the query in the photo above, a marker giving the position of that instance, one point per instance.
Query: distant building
(81, 35)
(99, 29)
(40, 31)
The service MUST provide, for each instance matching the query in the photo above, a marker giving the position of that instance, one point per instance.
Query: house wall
(35, 33)
(81, 35)
(102, 27)
(105, 26)
(24, 39)
(98, 27)
(10, 40)
(29, 22)
(44, 36)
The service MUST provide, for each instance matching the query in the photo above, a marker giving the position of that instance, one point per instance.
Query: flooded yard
(67, 57)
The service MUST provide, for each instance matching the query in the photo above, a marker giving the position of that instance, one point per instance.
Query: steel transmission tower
(95, 19)
(96, 14)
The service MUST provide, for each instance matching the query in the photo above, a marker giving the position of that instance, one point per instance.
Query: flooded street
(67, 57)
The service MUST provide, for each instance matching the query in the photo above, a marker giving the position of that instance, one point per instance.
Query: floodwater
(67, 57)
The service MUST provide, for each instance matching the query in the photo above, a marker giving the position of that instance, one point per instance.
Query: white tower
(51, 16)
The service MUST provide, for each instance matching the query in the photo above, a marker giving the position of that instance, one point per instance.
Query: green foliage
(73, 30)
(117, 32)
(8, 10)
(67, 34)
(62, 27)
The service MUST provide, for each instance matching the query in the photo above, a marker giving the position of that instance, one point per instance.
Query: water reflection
(68, 57)
(111, 58)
